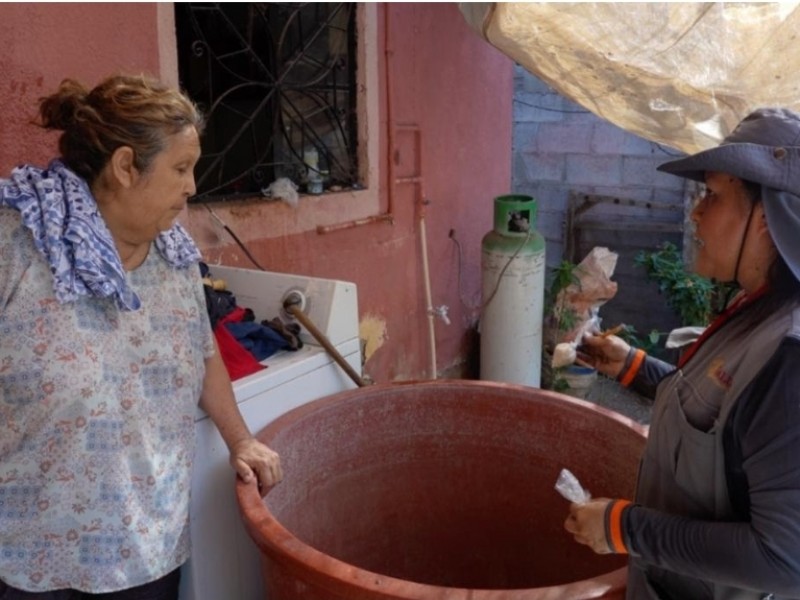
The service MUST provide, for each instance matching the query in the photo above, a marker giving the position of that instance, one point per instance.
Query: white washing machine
(225, 563)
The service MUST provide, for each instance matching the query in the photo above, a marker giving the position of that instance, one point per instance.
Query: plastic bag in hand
(568, 486)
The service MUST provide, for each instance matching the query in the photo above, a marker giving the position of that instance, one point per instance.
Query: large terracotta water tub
(438, 490)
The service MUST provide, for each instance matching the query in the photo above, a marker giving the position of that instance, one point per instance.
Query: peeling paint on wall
(372, 331)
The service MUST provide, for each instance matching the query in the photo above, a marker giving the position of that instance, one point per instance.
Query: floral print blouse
(97, 411)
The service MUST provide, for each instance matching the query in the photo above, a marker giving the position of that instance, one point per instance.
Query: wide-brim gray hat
(764, 148)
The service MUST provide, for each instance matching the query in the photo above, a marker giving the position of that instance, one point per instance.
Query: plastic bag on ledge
(284, 189)
(568, 486)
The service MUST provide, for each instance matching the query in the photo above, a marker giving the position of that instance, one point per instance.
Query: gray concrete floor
(612, 395)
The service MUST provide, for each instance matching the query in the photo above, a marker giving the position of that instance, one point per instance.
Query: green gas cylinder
(512, 283)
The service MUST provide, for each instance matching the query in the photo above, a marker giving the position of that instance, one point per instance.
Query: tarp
(681, 74)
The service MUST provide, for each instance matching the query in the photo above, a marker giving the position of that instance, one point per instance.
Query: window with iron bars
(276, 82)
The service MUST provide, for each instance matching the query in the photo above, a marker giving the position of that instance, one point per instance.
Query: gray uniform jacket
(717, 512)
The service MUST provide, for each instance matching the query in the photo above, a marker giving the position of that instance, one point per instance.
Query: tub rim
(338, 576)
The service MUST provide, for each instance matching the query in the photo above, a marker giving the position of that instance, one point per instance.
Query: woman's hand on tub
(250, 458)
(586, 523)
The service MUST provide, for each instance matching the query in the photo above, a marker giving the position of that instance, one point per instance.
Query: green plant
(691, 296)
(559, 317)
(559, 384)
(562, 317)
(649, 343)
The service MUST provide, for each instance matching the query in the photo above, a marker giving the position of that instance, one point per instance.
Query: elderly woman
(717, 508)
(105, 351)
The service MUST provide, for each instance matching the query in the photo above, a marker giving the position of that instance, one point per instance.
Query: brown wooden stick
(294, 310)
(612, 331)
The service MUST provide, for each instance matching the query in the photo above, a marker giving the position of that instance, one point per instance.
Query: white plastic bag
(284, 189)
(568, 486)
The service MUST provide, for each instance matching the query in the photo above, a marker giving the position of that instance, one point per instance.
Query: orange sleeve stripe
(636, 364)
(617, 541)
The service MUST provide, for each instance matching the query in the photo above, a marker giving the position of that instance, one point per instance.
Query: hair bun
(60, 109)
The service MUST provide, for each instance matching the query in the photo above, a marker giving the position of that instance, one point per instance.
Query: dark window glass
(277, 85)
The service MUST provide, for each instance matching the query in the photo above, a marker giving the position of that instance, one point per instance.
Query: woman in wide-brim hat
(717, 507)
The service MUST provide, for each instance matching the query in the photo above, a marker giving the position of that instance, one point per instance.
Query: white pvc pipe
(428, 301)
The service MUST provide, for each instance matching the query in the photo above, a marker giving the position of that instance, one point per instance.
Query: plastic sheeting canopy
(681, 74)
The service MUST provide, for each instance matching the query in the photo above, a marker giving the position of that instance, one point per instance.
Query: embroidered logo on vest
(717, 373)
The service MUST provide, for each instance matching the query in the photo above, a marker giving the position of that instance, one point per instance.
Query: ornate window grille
(276, 82)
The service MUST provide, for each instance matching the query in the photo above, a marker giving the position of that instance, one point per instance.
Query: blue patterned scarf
(69, 232)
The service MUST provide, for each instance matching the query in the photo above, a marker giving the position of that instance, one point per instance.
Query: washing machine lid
(285, 366)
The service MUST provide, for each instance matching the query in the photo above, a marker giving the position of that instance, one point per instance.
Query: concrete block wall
(558, 147)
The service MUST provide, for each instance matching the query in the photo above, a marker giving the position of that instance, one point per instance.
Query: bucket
(434, 490)
(579, 380)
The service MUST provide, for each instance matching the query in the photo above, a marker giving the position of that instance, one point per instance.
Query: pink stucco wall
(43, 43)
(455, 88)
